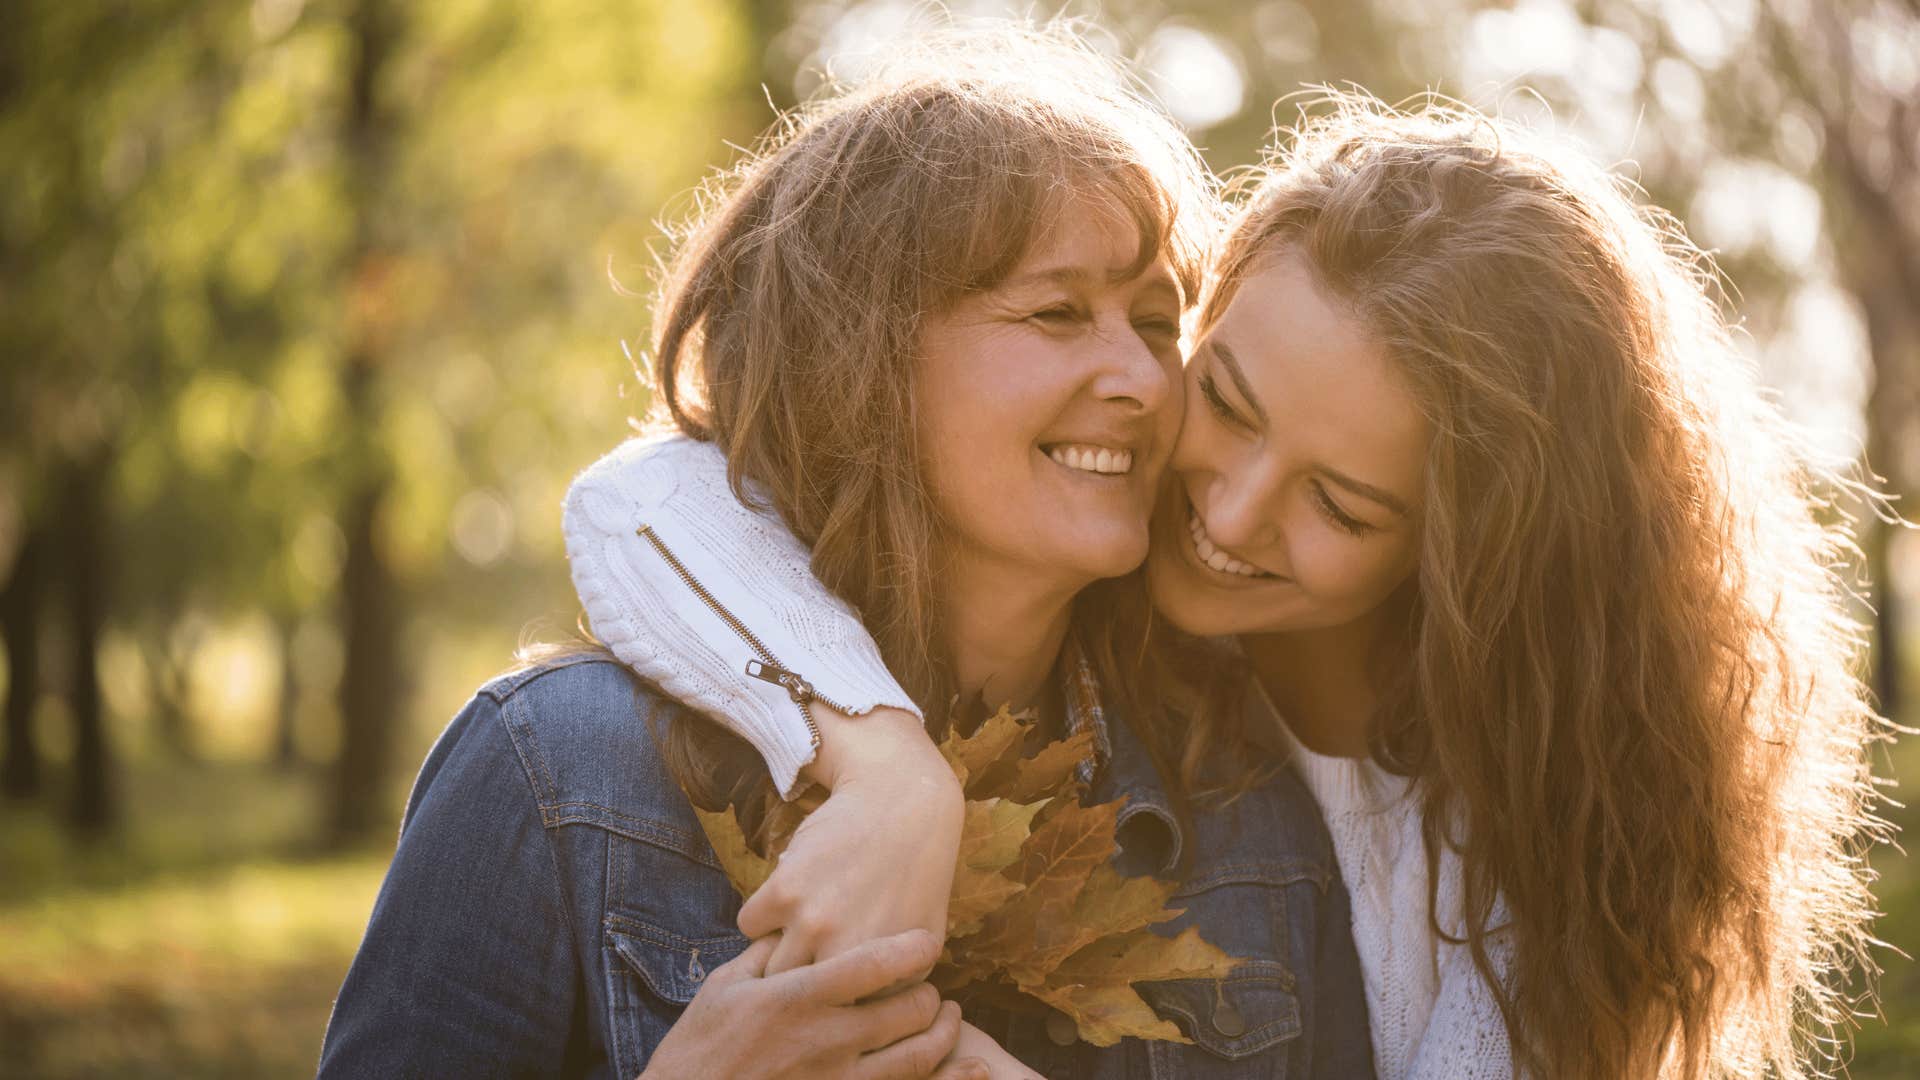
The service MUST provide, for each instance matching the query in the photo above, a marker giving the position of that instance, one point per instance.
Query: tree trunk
(94, 808)
(370, 603)
(286, 740)
(20, 626)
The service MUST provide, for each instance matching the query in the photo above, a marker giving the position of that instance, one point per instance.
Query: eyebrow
(1367, 491)
(1358, 487)
(1074, 275)
(1239, 377)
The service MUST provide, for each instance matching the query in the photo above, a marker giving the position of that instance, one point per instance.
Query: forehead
(1091, 240)
(1327, 384)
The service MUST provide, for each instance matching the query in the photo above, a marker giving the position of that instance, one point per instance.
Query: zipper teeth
(753, 640)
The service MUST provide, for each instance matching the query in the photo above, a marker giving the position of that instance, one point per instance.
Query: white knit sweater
(1432, 1014)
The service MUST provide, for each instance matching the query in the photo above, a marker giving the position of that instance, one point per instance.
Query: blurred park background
(309, 310)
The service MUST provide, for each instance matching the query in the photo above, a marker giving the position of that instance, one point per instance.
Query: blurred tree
(370, 596)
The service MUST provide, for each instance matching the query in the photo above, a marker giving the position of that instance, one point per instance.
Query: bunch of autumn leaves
(1038, 913)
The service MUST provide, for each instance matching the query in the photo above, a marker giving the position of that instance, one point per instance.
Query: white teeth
(1093, 459)
(1214, 558)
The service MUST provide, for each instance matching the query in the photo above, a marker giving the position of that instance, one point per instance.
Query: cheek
(1351, 572)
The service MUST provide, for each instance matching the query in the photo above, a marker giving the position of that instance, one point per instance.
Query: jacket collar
(1149, 834)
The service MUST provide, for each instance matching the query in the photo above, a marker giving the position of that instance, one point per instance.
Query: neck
(1003, 632)
(1321, 682)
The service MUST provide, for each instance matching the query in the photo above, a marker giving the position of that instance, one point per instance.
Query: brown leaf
(1038, 916)
(1049, 771)
(992, 743)
(1035, 930)
(746, 870)
(976, 894)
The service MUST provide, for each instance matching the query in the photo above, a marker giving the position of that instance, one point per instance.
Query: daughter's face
(1295, 496)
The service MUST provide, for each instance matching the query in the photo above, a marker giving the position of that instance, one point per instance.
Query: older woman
(901, 323)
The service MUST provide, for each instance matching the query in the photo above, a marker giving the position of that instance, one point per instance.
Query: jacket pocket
(1235, 1018)
(651, 976)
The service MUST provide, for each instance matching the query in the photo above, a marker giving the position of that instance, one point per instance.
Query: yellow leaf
(1144, 956)
(1106, 1014)
(1113, 904)
(994, 831)
(746, 870)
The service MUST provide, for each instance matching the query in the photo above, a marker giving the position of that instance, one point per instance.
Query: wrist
(884, 742)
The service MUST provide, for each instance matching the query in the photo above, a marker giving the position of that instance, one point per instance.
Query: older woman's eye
(1157, 326)
(1058, 314)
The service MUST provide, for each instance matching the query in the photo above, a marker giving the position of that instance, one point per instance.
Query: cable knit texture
(654, 621)
(1433, 1016)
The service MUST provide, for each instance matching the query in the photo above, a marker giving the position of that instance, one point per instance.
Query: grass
(203, 943)
(208, 940)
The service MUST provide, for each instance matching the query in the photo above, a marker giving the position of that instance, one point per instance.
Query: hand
(977, 1045)
(877, 857)
(814, 1022)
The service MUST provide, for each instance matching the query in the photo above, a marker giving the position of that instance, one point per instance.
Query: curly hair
(1626, 674)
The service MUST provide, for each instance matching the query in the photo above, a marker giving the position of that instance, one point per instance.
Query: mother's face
(1049, 404)
(1296, 492)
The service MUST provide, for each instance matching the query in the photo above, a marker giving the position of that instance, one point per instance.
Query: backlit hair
(789, 319)
(1627, 673)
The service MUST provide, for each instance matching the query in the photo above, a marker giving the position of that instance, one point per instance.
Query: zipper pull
(797, 688)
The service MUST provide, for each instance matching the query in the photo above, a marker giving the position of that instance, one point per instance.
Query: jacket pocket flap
(672, 966)
(1235, 1017)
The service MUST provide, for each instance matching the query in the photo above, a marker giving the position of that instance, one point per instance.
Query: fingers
(888, 1020)
(767, 910)
(862, 971)
(920, 1054)
(794, 952)
(751, 964)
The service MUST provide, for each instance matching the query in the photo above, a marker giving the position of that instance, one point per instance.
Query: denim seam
(558, 884)
(644, 830)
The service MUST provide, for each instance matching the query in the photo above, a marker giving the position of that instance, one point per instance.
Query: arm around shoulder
(715, 601)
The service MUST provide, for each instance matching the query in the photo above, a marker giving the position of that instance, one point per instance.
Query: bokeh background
(309, 310)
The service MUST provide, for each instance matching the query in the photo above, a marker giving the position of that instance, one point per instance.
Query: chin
(1116, 553)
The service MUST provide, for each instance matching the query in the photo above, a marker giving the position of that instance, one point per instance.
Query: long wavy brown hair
(789, 318)
(1627, 673)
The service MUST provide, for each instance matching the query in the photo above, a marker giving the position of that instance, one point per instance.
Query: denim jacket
(553, 906)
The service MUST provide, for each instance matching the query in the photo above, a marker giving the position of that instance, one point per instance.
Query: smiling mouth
(1213, 558)
(1088, 458)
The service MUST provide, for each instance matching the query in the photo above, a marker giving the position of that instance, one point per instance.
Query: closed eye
(1337, 517)
(1217, 402)
(1055, 316)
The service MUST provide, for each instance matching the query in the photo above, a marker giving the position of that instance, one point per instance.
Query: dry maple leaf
(1038, 917)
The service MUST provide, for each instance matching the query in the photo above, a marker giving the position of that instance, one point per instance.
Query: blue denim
(553, 906)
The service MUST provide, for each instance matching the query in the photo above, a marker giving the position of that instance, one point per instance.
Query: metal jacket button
(1228, 1021)
(1062, 1030)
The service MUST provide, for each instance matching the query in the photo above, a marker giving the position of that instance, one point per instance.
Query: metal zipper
(767, 668)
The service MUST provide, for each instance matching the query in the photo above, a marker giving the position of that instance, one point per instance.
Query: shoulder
(587, 733)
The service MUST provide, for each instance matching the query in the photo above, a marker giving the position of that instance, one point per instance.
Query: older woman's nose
(1131, 370)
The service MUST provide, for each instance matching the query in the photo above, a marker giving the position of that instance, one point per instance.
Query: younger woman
(1535, 592)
